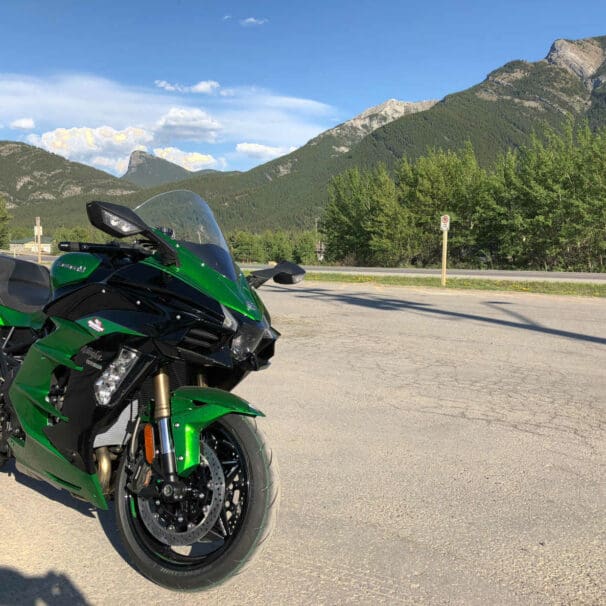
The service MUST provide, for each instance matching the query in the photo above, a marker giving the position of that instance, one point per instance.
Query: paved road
(495, 274)
(435, 448)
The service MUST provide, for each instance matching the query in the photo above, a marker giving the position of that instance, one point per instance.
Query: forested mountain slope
(495, 115)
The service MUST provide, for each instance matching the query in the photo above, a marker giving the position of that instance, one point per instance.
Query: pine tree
(4, 219)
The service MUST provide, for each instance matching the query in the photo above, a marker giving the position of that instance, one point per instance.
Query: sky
(230, 85)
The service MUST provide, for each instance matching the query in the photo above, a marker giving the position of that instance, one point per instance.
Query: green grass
(577, 289)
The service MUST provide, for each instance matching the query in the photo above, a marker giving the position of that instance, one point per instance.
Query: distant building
(27, 246)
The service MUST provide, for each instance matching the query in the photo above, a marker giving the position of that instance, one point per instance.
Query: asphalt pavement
(435, 447)
(489, 274)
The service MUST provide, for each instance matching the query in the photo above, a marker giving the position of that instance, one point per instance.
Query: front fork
(162, 417)
(162, 414)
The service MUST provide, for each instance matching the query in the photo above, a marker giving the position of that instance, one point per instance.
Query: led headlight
(111, 378)
(119, 224)
(246, 341)
(229, 321)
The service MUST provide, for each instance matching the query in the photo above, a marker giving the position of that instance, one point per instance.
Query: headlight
(111, 378)
(229, 321)
(247, 340)
(119, 224)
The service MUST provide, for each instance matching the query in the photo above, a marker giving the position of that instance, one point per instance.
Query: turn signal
(150, 443)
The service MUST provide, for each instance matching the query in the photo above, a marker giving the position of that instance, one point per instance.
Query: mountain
(353, 131)
(497, 114)
(146, 170)
(500, 112)
(29, 174)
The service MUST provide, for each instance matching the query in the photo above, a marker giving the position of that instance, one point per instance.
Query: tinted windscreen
(186, 218)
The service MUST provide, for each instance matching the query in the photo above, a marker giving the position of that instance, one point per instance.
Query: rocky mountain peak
(353, 131)
(138, 158)
(393, 109)
(147, 170)
(580, 57)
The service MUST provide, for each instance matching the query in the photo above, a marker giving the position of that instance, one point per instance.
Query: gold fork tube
(162, 392)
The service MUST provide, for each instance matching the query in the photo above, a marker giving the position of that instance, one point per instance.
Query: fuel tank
(71, 268)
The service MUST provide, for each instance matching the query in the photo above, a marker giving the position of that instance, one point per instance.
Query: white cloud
(262, 152)
(87, 142)
(76, 100)
(168, 86)
(102, 147)
(23, 124)
(114, 165)
(188, 124)
(100, 122)
(205, 87)
(190, 160)
(226, 18)
(253, 22)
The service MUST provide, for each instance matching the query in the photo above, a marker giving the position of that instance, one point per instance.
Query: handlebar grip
(69, 246)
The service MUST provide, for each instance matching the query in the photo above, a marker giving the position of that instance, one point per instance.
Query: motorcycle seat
(24, 286)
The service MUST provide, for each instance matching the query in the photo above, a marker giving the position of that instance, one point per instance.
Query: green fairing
(73, 267)
(19, 319)
(193, 272)
(193, 409)
(29, 393)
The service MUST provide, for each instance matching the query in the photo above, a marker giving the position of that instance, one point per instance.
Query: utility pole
(38, 238)
(444, 226)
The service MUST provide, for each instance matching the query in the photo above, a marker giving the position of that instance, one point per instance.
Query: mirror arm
(284, 268)
(166, 254)
(256, 280)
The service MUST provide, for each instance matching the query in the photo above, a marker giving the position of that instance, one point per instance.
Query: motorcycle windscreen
(187, 219)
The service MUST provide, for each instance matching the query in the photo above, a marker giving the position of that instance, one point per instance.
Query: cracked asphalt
(434, 447)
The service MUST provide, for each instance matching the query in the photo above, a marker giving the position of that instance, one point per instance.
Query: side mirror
(290, 273)
(121, 222)
(284, 272)
(115, 220)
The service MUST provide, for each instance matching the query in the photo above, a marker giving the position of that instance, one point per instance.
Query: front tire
(233, 541)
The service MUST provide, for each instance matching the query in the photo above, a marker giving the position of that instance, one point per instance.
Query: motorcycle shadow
(107, 519)
(50, 492)
(51, 590)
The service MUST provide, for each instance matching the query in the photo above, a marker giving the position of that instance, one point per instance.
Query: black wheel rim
(236, 469)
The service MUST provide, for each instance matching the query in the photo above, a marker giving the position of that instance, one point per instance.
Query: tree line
(279, 245)
(542, 206)
(246, 247)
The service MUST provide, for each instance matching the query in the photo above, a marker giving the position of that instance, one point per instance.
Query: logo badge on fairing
(96, 325)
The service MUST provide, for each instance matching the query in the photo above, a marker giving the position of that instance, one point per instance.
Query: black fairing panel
(87, 300)
(165, 289)
(74, 438)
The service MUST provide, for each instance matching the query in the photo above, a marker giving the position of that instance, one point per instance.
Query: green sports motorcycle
(115, 376)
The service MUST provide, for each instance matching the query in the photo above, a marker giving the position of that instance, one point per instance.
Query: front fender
(193, 409)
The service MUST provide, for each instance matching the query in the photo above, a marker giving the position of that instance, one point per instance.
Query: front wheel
(226, 512)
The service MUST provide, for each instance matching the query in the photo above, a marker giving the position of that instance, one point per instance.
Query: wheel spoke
(222, 526)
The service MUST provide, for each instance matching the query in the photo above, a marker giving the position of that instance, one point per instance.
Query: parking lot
(435, 447)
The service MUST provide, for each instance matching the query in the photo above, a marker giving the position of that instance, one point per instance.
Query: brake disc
(151, 509)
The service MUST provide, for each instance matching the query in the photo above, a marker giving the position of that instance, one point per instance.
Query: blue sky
(229, 85)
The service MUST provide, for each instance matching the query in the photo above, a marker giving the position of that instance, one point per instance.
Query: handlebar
(115, 248)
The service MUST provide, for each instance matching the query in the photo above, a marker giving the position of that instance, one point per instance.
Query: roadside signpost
(38, 238)
(444, 226)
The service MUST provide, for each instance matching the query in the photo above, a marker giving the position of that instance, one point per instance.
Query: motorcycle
(116, 372)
